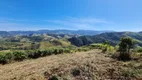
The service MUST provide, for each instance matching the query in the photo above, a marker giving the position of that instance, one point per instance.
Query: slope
(112, 37)
(76, 66)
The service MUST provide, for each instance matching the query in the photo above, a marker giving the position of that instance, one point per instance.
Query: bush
(19, 56)
(67, 50)
(58, 51)
(50, 51)
(34, 54)
(139, 50)
(45, 53)
(95, 46)
(6, 58)
(3, 59)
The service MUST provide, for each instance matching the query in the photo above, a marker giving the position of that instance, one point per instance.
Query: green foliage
(19, 56)
(112, 37)
(105, 47)
(34, 54)
(138, 49)
(124, 48)
(125, 45)
(67, 50)
(81, 41)
(6, 58)
(106, 43)
(95, 46)
(11, 56)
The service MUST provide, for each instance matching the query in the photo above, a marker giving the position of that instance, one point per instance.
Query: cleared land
(90, 65)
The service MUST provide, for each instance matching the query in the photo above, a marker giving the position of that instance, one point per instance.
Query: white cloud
(79, 23)
(67, 23)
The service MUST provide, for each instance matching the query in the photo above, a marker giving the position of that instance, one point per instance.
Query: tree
(106, 42)
(124, 48)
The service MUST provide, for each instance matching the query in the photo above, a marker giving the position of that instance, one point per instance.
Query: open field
(90, 65)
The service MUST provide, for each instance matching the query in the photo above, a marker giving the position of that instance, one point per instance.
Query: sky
(116, 15)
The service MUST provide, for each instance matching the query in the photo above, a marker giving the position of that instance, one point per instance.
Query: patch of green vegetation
(7, 57)
(106, 48)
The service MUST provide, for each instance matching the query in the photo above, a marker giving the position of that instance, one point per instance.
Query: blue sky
(117, 15)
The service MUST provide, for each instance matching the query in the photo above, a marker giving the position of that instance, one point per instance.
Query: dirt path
(92, 65)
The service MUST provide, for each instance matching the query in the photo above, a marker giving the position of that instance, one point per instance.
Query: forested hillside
(112, 37)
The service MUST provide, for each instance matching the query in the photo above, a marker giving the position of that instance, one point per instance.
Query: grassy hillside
(59, 43)
(91, 65)
(35, 41)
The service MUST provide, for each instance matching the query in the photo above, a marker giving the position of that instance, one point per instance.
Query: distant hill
(74, 32)
(4, 34)
(112, 37)
(70, 32)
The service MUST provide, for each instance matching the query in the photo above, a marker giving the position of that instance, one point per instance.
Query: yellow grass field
(92, 65)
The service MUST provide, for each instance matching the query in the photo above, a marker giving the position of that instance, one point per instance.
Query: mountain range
(70, 32)
(81, 37)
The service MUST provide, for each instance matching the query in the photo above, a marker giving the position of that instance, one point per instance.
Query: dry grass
(92, 65)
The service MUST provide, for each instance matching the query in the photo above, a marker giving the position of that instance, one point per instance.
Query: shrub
(110, 49)
(19, 56)
(49, 52)
(34, 54)
(60, 50)
(139, 50)
(45, 53)
(3, 59)
(6, 58)
(94, 46)
(57, 51)
(67, 50)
